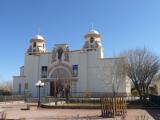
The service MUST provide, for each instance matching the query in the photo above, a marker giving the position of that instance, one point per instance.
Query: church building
(64, 71)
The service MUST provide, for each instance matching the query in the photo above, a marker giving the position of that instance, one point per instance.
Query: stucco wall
(93, 72)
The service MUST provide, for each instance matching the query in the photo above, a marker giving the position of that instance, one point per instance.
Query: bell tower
(92, 40)
(37, 45)
(93, 43)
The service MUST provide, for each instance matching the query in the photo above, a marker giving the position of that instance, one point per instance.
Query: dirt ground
(13, 110)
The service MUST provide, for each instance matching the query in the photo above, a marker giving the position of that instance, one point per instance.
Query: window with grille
(75, 70)
(44, 72)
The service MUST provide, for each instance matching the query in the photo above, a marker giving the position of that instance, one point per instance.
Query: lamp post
(39, 84)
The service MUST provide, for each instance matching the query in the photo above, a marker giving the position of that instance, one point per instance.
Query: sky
(123, 24)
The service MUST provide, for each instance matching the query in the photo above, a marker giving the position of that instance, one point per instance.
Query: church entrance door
(60, 85)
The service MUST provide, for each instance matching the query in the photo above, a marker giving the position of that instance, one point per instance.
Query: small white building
(68, 72)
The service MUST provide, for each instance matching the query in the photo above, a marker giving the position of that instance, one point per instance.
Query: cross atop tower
(92, 26)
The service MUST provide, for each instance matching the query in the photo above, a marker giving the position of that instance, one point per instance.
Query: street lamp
(39, 84)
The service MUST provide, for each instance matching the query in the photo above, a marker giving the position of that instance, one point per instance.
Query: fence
(155, 99)
(74, 97)
(15, 96)
(70, 100)
(12, 98)
(110, 107)
(94, 94)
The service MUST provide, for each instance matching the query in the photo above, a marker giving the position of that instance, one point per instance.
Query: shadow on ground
(155, 113)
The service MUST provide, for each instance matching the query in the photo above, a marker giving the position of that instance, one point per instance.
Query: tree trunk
(140, 94)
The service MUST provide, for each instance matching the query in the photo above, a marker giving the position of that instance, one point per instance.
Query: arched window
(60, 73)
(34, 44)
(92, 42)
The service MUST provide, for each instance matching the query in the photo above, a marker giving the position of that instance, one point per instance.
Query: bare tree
(117, 74)
(6, 88)
(141, 67)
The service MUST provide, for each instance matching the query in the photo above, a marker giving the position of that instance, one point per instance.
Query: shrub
(134, 92)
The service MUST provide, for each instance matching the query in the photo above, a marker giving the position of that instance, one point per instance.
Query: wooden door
(51, 88)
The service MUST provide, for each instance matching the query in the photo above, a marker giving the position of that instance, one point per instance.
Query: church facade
(64, 71)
